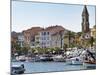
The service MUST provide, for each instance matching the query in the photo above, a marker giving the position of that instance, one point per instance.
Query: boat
(90, 62)
(74, 61)
(59, 58)
(21, 58)
(37, 58)
(31, 59)
(77, 61)
(46, 58)
(17, 69)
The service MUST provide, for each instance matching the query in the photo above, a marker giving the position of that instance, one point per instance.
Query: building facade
(93, 31)
(20, 40)
(30, 34)
(51, 37)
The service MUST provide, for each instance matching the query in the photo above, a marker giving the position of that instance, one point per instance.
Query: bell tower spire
(85, 20)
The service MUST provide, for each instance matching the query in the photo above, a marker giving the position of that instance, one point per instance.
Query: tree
(78, 39)
(65, 46)
(91, 41)
(69, 35)
(57, 50)
(15, 48)
(52, 50)
(79, 34)
(25, 50)
(33, 50)
(37, 43)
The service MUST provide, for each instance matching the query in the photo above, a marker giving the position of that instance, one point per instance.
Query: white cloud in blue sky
(30, 14)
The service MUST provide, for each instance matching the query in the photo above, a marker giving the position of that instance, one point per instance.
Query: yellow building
(93, 32)
(66, 39)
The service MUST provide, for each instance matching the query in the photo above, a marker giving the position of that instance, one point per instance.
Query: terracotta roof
(52, 29)
(33, 30)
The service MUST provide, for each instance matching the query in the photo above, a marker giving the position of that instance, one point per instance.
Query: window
(44, 33)
(47, 33)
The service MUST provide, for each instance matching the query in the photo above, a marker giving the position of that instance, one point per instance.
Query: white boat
(75, 61)
(21, 58)
(17, 69)
(59, 58)
(29, 59)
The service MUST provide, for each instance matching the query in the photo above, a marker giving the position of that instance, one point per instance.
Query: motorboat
(77, 61)
(74, 61)
(21, 58)
(46, 58)
(59, 58)
(17, 69)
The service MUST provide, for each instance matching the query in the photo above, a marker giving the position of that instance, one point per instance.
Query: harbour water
(36, 67)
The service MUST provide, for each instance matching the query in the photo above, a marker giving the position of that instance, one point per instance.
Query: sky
(33, 14)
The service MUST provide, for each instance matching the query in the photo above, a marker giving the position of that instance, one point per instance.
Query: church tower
(85, 20)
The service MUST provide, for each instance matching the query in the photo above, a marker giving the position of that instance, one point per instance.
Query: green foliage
(33, 50)
(72, 45)
(15, 46)
(65, 46)
(24, 50)
(91, 40)
(79, 34)
(69, 35)
(57, 48)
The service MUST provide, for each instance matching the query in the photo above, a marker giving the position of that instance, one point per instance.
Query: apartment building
(51, 37)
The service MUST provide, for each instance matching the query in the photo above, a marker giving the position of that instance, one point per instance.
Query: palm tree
(69, 35)
(15, 48)
(65, 46)
(25, 50)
